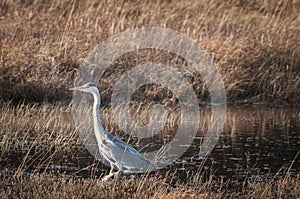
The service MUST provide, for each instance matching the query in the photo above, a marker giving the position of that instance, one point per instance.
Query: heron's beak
(75, 88)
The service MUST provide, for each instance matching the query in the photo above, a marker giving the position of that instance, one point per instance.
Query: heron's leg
(111, 169)
(105, 178)
(111, 173)
(119, 172)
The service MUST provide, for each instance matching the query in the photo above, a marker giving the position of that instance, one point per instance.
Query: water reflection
(257, 141)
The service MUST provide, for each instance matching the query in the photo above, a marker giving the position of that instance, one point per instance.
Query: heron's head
(89, 88)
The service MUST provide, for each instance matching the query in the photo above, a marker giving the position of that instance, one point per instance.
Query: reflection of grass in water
(45, 133)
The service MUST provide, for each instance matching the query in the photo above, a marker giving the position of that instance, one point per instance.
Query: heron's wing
(125, 155)
(113, 140)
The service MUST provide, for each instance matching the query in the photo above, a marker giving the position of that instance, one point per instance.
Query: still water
(256, 142)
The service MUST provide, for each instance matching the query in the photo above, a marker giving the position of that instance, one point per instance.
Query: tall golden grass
(254, 44)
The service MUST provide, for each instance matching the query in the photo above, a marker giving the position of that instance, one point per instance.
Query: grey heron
(120, 155)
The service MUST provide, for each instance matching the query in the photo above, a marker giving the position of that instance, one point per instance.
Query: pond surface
(256, 142)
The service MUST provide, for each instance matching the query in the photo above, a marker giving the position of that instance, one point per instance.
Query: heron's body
(120, 155)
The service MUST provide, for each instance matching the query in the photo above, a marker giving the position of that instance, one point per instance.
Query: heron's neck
(98, 127)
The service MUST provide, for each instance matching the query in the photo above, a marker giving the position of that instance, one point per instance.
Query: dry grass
(254, 44)
(49, 186)
(33, 136)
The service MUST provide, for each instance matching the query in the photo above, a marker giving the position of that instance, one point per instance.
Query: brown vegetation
(255, 45)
